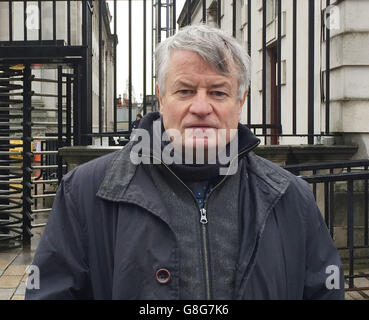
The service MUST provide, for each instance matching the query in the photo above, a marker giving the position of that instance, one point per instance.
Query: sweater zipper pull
(203, 219)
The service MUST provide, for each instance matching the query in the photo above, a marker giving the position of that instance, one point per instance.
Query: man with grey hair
(155, 221)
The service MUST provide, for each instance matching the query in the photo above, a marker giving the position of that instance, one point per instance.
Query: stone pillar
(350, 74)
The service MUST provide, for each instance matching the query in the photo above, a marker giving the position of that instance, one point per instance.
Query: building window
(271, 10)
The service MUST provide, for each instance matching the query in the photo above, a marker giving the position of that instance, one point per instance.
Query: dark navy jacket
(109, 234)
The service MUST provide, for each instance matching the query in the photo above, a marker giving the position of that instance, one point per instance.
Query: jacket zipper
(204, 222)
(204, 218)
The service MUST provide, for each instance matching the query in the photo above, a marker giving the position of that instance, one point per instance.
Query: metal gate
(30, 136)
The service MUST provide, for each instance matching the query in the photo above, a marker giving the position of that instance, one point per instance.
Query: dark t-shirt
(135, 124)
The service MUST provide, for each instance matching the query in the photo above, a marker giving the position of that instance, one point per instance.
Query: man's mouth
(201, 127)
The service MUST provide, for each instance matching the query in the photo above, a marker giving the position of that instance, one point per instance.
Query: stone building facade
(349, 64)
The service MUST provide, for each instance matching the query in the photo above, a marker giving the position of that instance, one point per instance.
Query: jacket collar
(274, 176)
(122, 170)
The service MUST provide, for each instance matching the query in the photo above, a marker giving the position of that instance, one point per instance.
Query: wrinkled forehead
(183, 60)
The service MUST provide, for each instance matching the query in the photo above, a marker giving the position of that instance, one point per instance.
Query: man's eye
(185, 92)
(218, 94)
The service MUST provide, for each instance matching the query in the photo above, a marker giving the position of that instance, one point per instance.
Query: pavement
(13, 269)
(359, 294)
(14, 263)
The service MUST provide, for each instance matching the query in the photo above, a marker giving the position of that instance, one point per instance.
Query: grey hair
(216, 48)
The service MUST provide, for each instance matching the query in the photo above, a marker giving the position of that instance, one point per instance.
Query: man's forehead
(187, 66)
(183, 59)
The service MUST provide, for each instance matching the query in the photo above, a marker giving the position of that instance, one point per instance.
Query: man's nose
(201, 105)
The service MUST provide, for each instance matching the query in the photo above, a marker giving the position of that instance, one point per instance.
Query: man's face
(198, 101)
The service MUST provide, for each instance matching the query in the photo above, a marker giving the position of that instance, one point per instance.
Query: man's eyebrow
(183, 83)
(221, 84)
(213, 86)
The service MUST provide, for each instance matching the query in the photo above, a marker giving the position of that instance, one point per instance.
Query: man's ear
(242, 102)
(244, 97)
(159, 97)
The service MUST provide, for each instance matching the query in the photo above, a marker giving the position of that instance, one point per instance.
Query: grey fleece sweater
(208, 253)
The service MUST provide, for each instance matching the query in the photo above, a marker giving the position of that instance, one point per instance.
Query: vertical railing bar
(79, 105)
(88, 73)
(76, 106)
(314, 185)
(10, 21)
(158, 24)
(39, 21)
(69, 112)
(326, 204)
(85, 113)
(264, 71)
(130, 65)
(27, 133)
(25, 20)
(84, 23)
(167, 22)
(366, 209)
(152, 49)
(144, 58)
(249, 38)
(174, 17)
(189, 12)
(219, 13)
(331, 205)
(234, 18)
(279, 58)
(311, 73)
(294, 67)
(60, 122)
(350, 226)
(327, 74)
(68, 23)
(54, 20)
(204, 11)
(100, 22)
(115, 66)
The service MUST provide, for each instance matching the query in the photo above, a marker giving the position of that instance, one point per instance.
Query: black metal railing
(36, 13)
(63, 42)
(272, 129)
(341, 191)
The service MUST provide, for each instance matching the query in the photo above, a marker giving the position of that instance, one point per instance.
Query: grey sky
(137, 44)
